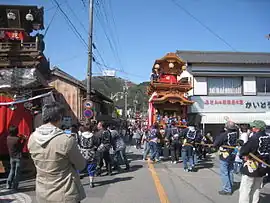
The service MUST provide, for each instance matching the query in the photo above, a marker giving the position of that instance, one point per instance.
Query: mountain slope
(111, 85)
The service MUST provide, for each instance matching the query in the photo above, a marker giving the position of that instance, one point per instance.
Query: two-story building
(72, 93)
(228, 86)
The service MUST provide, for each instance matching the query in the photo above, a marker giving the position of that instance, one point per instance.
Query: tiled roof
(224, 57)
(60, 73)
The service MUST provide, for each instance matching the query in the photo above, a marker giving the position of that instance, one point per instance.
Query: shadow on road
(133, 168)
(134, 157)
(7, 200)
(22, 189)
(112, 181)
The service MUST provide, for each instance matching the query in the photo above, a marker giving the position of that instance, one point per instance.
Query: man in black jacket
(225, 142)
(189, 136)
(253, 170)
(105, 139)
(173, 136)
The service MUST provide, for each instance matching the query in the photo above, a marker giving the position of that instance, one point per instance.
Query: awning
(220, 118)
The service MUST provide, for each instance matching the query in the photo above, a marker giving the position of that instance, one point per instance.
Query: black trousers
(108, 162)
(120, 157)
(175, 151)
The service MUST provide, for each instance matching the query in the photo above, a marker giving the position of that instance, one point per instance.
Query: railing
(21, 47)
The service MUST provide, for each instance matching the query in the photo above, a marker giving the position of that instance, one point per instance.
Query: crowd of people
(242, 150)
(62, 155)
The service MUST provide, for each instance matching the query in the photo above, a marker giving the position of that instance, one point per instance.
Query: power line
(77, 18)
(112, 45)
(202, 24)
(119, 70)
(74, 29)
(84, 5)
(50, 23)
(83, 26)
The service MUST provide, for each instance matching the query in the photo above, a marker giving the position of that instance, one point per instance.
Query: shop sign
(230, 104)
(224, 102)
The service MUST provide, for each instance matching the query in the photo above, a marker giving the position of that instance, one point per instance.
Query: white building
(228, 85)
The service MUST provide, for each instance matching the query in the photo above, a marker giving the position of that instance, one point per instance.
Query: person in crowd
(206, 141)
(153, 139)
(119, 148)
(254, 169)
(238, 162)
(88, 146)
(189, 136)
(137, 136)
(104, 147)
(15, 144)
(160, 143)
(244, 134)
(173, 137)
(198, 148)
(56, 157)
(226, 142)
(145, 142)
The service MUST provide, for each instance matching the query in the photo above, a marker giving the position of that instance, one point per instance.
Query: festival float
(168, 91)
(24, 70)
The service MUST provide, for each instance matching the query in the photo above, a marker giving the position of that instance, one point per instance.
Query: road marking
(161, 192)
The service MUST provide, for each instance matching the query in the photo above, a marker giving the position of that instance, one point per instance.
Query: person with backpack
(88, 145)
(173, 137)
(189, 135)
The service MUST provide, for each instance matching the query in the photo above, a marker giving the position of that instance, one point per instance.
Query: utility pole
(126, 98)
(90, 52)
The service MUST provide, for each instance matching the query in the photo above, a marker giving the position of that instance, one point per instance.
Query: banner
(25, 100)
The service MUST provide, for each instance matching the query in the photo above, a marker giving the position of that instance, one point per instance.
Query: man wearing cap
(225, 141)
(254, 169)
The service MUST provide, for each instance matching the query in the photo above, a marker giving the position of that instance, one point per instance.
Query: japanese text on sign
(255, 105)
(224, 102)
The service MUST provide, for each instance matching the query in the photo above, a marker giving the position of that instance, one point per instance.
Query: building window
(224, 85)
(263, 86)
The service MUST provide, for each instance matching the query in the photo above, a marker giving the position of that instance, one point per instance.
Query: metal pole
(126, 97)
(90, 54)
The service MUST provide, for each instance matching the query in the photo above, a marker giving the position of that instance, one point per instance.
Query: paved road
(147, 183)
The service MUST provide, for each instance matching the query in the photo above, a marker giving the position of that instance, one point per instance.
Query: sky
(129, 35)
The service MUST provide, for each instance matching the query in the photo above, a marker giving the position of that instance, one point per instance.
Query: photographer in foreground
(56, 157)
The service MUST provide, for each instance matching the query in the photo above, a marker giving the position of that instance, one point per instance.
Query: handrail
(22, 47)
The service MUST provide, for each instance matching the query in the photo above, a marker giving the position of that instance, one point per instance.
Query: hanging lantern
(171, 65)
(11, 15)
(29, 16)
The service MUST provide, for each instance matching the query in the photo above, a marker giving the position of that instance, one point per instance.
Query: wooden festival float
(170, 83)
(24, 70)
